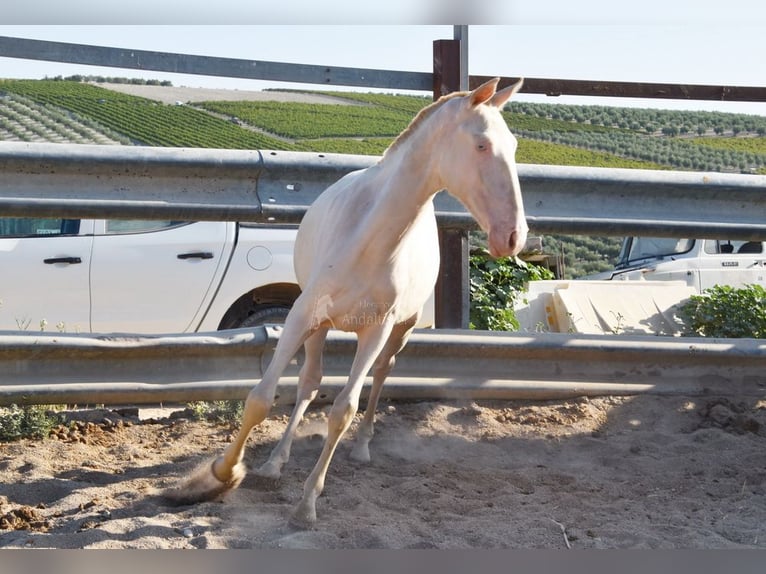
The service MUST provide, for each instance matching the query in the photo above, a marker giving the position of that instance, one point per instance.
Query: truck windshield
(653, 247)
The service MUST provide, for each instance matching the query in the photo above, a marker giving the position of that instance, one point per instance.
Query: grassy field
(141, 121)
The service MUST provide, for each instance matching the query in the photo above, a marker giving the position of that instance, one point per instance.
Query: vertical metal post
(452, 287)
(460, 33)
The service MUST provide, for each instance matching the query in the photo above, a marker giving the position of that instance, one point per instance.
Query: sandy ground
(641, 472)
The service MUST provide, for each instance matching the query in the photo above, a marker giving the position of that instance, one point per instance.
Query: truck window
(32, 227)
(645, 247)
(115, 226)
(728, 246)
(751, 247)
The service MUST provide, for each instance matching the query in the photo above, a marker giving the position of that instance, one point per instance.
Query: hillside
(125, 114)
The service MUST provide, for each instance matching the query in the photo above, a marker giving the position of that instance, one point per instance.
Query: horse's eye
(481, 147)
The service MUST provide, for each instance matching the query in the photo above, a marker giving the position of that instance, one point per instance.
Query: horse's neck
(368, 218)
(402, 203)
(408, 182)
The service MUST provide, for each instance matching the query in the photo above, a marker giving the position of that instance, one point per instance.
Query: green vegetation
(29, 421)
(299, 121)
(111, 80)
(218, 412)
(410, 104)
(728, 312)
(673, 152)
(496, 284)
(756, 145)
(539, 121)
(583, 255)
(649, 121)
(659, 136)
(143, 121)
(750, 149)
(548, 153)
(360, 146)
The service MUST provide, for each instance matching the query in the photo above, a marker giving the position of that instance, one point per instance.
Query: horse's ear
(484, 92)
(501, 98)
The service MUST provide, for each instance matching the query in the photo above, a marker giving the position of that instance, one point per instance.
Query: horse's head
(478, 166)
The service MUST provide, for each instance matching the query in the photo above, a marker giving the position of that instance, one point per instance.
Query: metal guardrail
(44, 180)
(48, 368)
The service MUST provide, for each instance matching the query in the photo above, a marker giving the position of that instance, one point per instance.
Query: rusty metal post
(452, 292)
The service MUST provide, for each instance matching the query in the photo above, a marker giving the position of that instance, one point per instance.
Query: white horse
(367, 258)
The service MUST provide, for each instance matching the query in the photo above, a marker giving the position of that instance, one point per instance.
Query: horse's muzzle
(504, 244)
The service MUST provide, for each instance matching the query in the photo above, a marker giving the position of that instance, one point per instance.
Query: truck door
(155, 276)
(731, 262)
(44, 265)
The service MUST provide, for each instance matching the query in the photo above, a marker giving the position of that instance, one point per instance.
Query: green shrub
(31, 421)
(727, 312)
(495, 286)
(219, 412)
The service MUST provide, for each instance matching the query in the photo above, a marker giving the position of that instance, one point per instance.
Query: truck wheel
(263, 315)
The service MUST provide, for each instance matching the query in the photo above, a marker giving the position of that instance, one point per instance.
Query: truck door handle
(196, 255)
(67, 260)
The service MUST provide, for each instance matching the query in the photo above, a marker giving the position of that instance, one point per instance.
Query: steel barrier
(58, 180)
(46, 368)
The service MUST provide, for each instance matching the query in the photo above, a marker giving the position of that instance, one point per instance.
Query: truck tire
(274, 314)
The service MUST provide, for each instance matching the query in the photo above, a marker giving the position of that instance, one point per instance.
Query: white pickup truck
(642, 294)
(143, 276)
(700, 263)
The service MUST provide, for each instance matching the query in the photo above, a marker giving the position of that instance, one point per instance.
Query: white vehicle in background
(642, 295)
(143, 276)
(149, 277)
(700, 263)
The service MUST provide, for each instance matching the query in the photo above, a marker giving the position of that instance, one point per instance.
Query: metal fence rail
(45, 180)
(25, 48)
(212, 66)
(61, 368)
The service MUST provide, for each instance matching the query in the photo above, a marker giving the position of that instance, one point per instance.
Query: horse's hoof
(264, 479)
(269, 471)
(360, 453)
(204, 486)
(304, 517)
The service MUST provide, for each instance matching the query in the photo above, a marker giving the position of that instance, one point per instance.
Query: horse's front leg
(227, 471)
(380, 371)
(371, 341)
(308, 384)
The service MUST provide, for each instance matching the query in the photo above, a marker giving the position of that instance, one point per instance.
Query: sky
(689, 42)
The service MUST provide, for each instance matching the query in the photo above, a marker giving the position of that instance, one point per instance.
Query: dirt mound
(21, 517)
(733, 416)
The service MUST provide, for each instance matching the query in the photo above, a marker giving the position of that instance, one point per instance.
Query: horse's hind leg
(308, 384)
(227, 471)
(371, 341)
(380, 371)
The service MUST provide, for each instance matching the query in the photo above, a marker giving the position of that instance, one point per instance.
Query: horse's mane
(421, 117)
